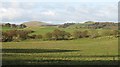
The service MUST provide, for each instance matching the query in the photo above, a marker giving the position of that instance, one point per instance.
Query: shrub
(110, 33)
(48, 36)
(94, 34)
(15, 35)
(57, 35)
(80, 34)
(60, 35)
(39, 36)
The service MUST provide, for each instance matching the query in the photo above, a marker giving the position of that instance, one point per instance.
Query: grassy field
(72, 52)
(101, 50)
(7, 28)
(45, 29)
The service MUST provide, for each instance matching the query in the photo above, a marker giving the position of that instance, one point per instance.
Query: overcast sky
(56, 11)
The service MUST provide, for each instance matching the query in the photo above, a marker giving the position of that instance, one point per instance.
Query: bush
(57, 35)
(48, 36)
(60, 35)
(94, 34)
(110, 33)
(114, 32)
(80, 34)
(14, 35)
(39, 36)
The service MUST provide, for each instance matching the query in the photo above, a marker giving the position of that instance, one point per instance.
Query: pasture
(101, 50)
(72, 52)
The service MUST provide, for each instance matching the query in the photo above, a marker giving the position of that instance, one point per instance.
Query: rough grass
(82, 51)
(102, 50)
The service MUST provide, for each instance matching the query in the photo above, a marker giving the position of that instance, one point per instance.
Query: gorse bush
(80, 34)
(13, 35)
(110, 32)
(18, 35)
(48, 36)
(36, 36)
(57, 35)
(94, 34)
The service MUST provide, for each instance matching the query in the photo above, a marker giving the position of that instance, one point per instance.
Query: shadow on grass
(59, 62)
(35, 50)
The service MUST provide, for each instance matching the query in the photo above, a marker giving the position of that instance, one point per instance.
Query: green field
(101, 50)
(61, 52)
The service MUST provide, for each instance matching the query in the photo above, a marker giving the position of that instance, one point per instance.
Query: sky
(58, 11)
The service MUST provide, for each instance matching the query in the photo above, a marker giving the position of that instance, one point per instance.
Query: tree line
(19, 35)
(14, 25)
(65, 25)
(103, 25)
(93, 25)
(15, 35)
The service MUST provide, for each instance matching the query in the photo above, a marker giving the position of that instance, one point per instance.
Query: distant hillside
(35, 23)
(89, 22)
(91, 25)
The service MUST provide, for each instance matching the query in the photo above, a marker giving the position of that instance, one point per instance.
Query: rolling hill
(35, 23)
